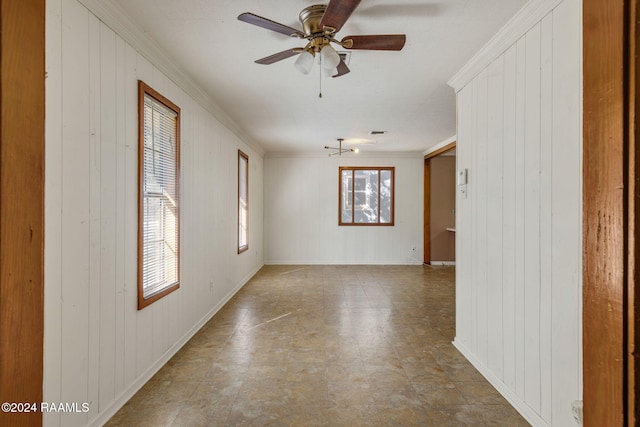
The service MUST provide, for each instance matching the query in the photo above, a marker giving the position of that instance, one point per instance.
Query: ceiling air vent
(377, 132)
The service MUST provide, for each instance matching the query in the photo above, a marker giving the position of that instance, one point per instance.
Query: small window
(366, 196)
(243, 201)
(159, 200)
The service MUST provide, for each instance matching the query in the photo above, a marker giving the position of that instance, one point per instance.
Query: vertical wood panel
(467, 215)
(22, 106)
(532, 220)
(94, 286)
(472, 191)
(130, 107)
(75, 207)
(480, 172)
(508, 218)
(462, 304)
(566, 211)
(120, 209)
(495, 128)
(546, 219)
(53, 203)
(520, 212)
(108, 206)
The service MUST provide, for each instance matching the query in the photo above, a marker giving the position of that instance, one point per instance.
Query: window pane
(385, 196)
(366, 196)
(243, 201)
(345, 200)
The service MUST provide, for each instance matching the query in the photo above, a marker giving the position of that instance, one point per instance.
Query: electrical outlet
(576, 410)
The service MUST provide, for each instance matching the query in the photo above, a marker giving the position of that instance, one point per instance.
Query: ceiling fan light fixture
(339, 150)
(304, 63)
(330, 58)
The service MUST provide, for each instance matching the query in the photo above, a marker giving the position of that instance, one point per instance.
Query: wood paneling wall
(519, 230)
(21, 206)
(98, 347)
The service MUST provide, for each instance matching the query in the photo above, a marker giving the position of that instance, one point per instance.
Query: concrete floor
(325, 346)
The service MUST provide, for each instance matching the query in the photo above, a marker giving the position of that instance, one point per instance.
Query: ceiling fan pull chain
(320, 76)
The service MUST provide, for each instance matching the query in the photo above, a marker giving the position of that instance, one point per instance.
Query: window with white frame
(366, 195)
(159, 199)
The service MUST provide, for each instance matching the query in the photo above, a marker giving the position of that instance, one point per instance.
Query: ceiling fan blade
(375, 42)
(268, 24)
(279, 56)
(342, 69)
(337, 13)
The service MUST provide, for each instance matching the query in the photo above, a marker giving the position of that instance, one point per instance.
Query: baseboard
(527, 413)
(442, 263)
(130, 391)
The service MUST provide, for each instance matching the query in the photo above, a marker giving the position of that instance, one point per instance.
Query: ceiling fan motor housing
(310, 18)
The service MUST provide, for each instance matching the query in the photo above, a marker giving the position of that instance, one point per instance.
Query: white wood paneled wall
(301, 212)
(98, 347)
(518, 288)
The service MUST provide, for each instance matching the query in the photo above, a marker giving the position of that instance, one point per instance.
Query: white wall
(301, 212)
(518, 287)
(98, 347)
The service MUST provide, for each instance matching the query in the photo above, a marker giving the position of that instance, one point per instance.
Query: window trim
(144, 89)
(243, 156)
(391, 169)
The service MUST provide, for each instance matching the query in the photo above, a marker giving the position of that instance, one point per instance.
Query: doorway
(439, 206)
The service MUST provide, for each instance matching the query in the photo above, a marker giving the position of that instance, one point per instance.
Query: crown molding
(530, 14)
(112, 15)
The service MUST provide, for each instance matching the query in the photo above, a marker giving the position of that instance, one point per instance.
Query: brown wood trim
(441, 150)
(241, 156)
(633, 319)
(143, 89)
(604, 219)
(22, 110)
(392, 170)
(427, 210)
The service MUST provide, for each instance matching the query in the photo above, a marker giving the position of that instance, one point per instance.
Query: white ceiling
(404, 93)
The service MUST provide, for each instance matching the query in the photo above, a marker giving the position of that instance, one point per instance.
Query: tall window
(243, 201)
(366, 196)
(159, 199)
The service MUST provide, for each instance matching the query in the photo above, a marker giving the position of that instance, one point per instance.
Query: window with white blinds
(159, 202)
(243, 201)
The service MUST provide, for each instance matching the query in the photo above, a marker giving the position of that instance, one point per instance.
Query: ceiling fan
(320, 24)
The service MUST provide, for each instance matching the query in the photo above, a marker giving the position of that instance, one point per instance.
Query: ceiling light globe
(304, 63)
(330, 58)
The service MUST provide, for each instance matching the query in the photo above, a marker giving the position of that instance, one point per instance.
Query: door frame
(427, 198)
(610, 212)
(22, 120)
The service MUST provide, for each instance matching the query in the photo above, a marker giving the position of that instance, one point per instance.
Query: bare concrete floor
(326, 346)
